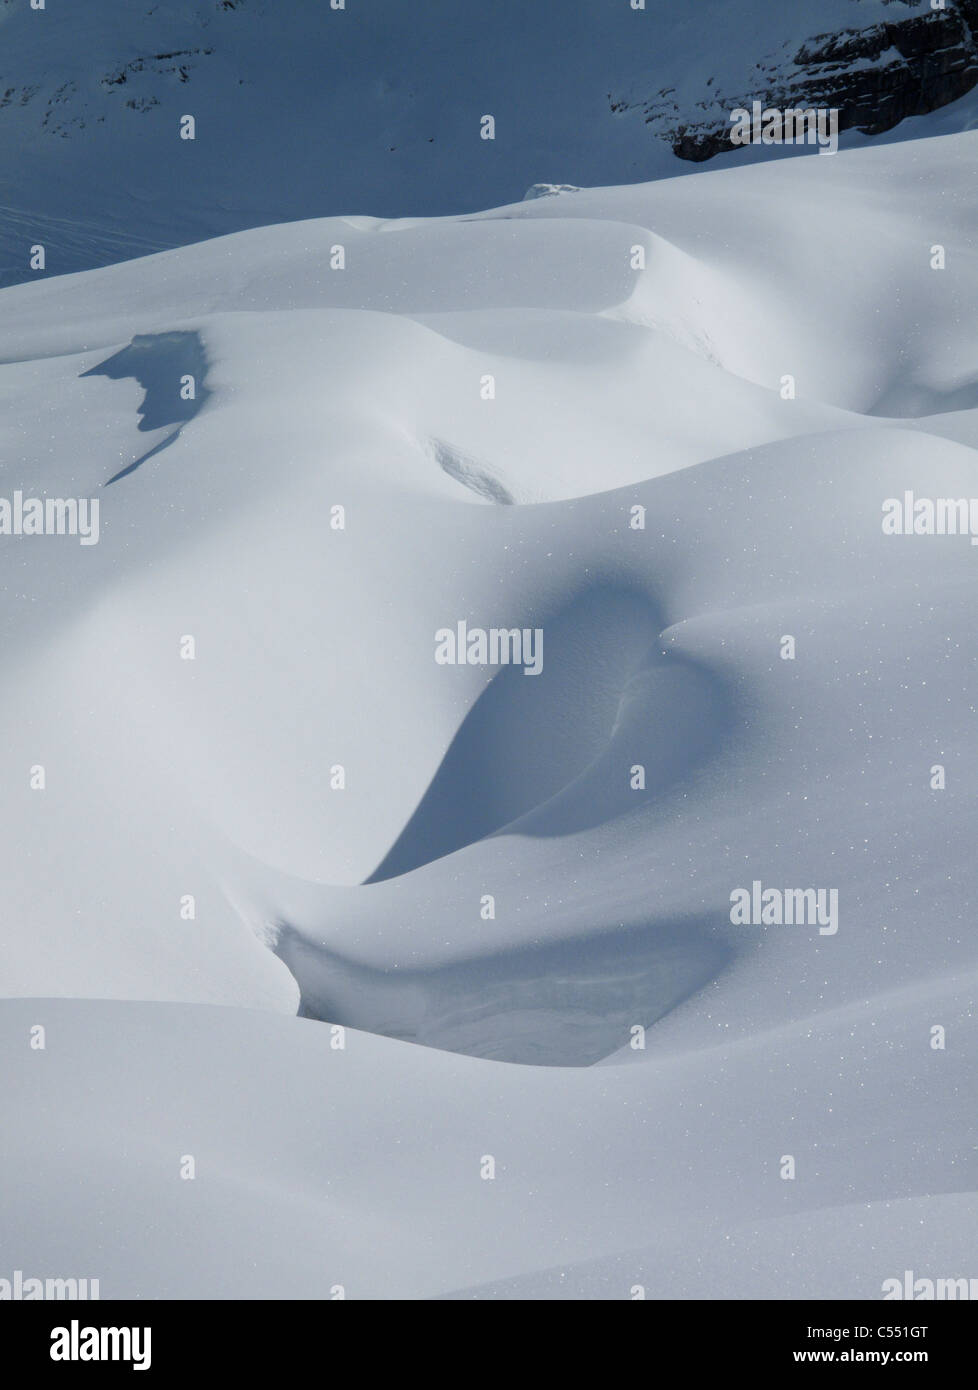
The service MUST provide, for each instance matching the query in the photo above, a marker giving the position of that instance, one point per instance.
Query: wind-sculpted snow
(660, 1177)
(270, 753)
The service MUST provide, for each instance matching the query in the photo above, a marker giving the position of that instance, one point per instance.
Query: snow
(360, 1167)
(375, 109)
(509, 1035)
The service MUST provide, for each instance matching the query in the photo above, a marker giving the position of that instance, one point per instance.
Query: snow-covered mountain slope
(495, 401)
(305, 110)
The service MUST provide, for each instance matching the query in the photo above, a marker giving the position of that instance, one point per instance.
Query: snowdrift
(658, 424)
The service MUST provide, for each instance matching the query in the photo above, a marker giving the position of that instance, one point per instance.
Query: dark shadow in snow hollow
(553, 754)
(564, 1004)
(159, 362)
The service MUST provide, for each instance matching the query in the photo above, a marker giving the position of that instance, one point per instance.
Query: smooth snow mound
(658, 424)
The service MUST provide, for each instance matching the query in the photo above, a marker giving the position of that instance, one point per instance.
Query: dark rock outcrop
(875, 77)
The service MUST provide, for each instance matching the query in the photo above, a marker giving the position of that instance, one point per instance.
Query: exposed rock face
(304, 111)
(549, 190)
(876, 77)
